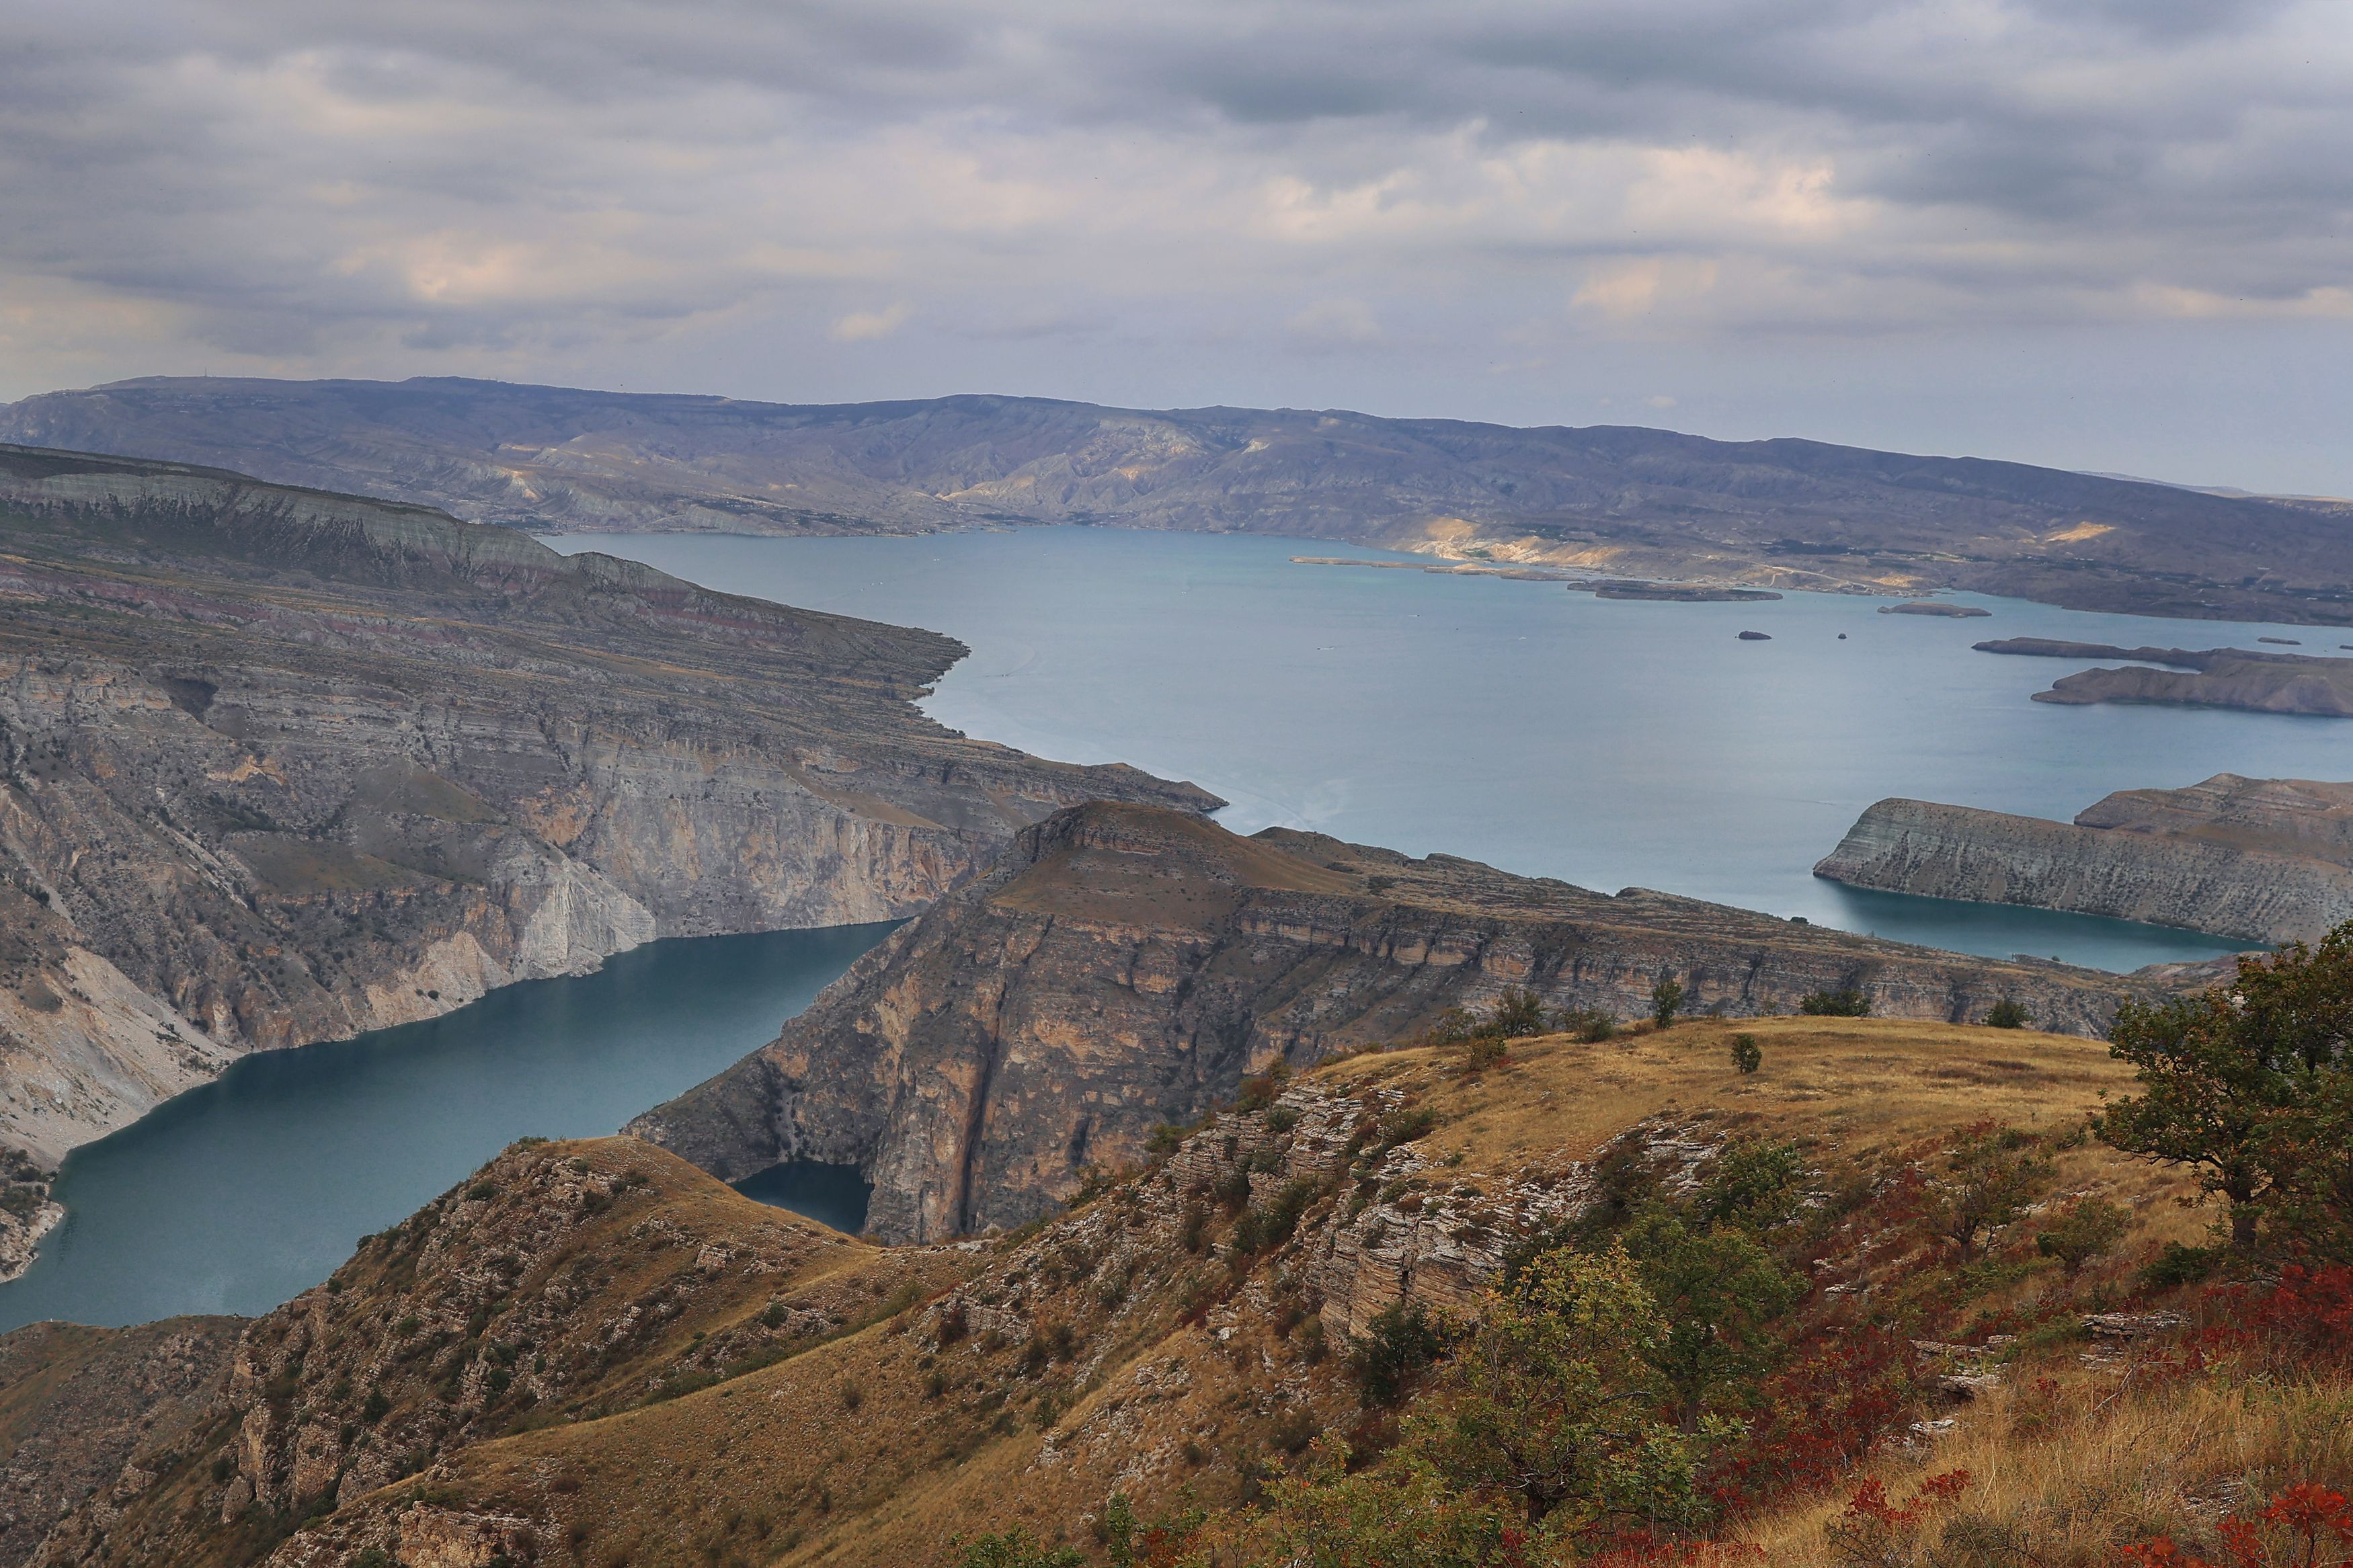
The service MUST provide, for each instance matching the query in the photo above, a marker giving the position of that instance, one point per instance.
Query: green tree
(2247, 1085)
(2009, 1014)
(2085, 1229)
(1990, 1174)
(1751, 1185)
(1666, 1000)
(1718, 1292)
(1557, 1400)
(1747, 1055)
(1401, 1340)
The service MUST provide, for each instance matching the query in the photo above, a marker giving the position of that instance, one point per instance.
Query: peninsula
(2263, 860)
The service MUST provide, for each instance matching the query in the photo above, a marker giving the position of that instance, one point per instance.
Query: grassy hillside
(694, 1379)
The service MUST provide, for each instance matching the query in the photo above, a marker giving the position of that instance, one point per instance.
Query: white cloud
(865, 326)
(1157, 203)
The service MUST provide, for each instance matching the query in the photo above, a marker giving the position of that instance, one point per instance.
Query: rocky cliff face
(2267, 860)
(282, 767)
(1624, 501)
(1126, 967)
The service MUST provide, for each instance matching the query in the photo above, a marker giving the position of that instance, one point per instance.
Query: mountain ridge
(1783, 512)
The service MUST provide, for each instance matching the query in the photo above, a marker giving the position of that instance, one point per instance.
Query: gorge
(284, 766)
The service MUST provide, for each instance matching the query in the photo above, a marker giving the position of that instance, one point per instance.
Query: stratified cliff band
(2267, 860)
(1126, 967)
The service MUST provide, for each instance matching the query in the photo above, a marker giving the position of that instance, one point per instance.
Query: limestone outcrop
(2263, 860)
(1126, 967)
(281, 767)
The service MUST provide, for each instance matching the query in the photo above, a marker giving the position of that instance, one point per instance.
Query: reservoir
(1609, 743)
(235, 1197)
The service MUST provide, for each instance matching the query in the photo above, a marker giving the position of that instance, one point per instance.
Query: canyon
(2264, 861)
(282, 766)
(1126, 967)
(1624, 501)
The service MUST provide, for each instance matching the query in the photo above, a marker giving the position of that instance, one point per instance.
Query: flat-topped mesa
(1126, 967)
(279, 765)
(2265, 860)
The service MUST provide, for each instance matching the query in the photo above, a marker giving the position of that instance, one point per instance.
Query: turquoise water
(235, 1197)
(1609, 743)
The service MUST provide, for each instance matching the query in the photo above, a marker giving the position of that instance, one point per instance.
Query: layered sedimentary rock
(2202, 677)
(1126, 967)
(1610, 501)
(2267, 860)
(282, 766)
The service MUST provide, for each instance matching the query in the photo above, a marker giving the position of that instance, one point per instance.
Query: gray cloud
(1510, 208)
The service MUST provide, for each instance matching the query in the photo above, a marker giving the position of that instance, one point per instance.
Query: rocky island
(1935, 607)
(1128, 966)
(2264, 861)
(282, 766)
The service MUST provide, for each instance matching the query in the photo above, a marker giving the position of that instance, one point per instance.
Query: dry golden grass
(2062, 1481)
(1856, 1083)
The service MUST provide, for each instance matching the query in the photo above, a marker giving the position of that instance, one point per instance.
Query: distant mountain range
(1621, 501)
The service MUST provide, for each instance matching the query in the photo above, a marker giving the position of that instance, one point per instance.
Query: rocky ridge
(282, 766)
(1621, 501)
(1126, 967)
(2265, 860)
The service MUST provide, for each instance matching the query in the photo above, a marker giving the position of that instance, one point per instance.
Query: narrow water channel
(235, 1197)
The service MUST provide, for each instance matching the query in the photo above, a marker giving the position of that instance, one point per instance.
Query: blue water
(830, 1194)
(235, 1197)
(1609, 743)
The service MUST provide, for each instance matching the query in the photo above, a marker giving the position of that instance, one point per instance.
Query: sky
(2110, 234)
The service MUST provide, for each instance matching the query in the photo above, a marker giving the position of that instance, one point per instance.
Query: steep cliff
(1615, 500)
(1126, 967)
(282, 766)
(2267, 860)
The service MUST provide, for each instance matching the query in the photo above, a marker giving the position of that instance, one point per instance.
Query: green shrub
(2087, 1228)
(2179, 1265)
(2009, 1014)
(1745, 1054)
(1848, 1002)
(1590, 1025)
(1666, 1000)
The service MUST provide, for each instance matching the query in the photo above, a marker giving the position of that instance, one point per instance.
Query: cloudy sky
(2106, 234)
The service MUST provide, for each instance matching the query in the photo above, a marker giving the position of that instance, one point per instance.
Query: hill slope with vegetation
(1805, 1290)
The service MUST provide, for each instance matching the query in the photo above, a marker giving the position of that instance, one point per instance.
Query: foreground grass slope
(594, 1355)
